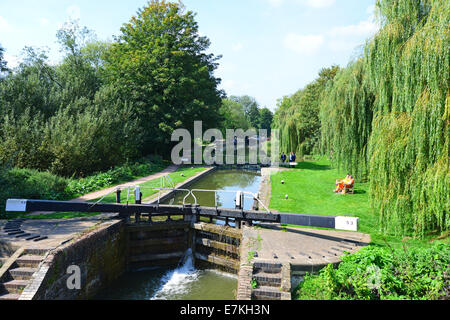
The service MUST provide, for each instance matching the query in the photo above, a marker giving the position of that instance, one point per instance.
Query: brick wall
(99, 254)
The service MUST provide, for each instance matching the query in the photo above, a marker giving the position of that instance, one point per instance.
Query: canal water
(186, 282)
(226, 181)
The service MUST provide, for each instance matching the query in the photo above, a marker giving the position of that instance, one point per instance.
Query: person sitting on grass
(343, 185)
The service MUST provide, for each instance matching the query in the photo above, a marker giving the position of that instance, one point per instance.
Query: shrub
(31, 184)
(127, 172)
(378, 273)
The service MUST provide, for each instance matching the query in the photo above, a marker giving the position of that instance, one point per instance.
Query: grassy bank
(179, 176)
(310, 189)
(404, 267)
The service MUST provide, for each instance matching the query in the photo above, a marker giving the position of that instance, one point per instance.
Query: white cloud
(303, 44)
(4, 25)
(74, 12)
(44, 21)
(347, 38)
(371, 10)
(228, 85)
(319, 3)
(275, 3)
(12, 61)
(364, 28)
(237, 47)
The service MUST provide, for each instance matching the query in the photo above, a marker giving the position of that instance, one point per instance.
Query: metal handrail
(169, 179)
(189, 192)
(133, 188)
(254, 196)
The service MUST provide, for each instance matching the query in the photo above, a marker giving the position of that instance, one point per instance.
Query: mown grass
(310, 190)
(409, 268)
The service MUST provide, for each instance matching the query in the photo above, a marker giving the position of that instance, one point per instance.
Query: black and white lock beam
(331, 222)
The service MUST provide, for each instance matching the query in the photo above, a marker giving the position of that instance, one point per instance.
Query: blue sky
(270, 48)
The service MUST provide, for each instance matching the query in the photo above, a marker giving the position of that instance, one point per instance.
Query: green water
(176, 284)
(186, 282)
(226, 180)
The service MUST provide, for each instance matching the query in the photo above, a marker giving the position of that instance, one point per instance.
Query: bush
(378, 273)
(117, 175)
(31, 184)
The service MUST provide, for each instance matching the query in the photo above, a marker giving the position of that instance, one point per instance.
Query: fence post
(137, 200)
(118, 192)
(239, 205)
(124, 216)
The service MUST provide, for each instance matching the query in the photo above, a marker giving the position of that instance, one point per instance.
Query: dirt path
(104, 192)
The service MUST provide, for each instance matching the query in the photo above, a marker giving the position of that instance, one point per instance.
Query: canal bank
(153, 260)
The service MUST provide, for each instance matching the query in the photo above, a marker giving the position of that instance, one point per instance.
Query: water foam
(177, 282)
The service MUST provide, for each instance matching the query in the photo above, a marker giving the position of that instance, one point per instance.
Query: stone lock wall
(157, 244)
(101, 257)
(217, 247)
(105, 253)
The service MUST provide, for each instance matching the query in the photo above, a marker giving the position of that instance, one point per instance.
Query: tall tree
(3, 67)
(251, 109)
(233, 115)
(159, 63)
(386, 116)
(78, 74)
(298, 116)
(265, 120)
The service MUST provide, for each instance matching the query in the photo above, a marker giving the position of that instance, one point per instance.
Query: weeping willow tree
(408, 70)
(285, 121)
(297, 116)
(385, 117)
(346, 116)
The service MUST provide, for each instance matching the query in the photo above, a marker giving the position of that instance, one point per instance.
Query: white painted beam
(346, 223)
(15, 205)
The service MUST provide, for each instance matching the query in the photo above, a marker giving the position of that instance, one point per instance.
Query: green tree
(3, 67)
(297, 116)
(78, 73)
(159, 63)
(346, 117)
(386, 116)
(251, 109)
(265, 120)
(34, 85)
(233, 115)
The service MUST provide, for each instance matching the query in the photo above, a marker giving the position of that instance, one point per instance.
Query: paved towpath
(305, 249)
(104, 192)
(55, 231)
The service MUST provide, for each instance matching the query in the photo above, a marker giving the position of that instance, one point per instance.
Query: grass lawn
(310, 189)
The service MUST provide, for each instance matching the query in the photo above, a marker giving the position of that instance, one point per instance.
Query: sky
(270, 48)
